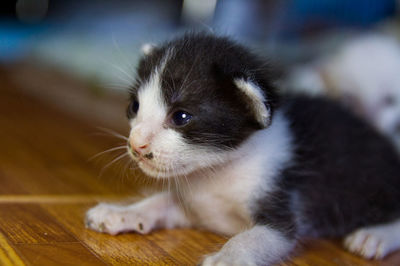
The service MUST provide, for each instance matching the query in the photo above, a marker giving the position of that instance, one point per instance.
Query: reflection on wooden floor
(47, 184)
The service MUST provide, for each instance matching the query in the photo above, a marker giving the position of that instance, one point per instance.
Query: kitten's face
(189, 111)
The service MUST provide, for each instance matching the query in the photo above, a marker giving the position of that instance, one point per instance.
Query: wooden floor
(47, 184)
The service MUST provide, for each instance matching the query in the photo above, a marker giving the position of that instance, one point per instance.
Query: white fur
(151, 115)
(232, 187)
(375, 241)
(256, 96)
(158, 211)
(259, 245)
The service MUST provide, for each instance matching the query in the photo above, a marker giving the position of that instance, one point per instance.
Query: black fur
(198, 78)
(344, 174)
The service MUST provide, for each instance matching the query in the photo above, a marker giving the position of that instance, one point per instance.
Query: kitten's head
(197, 99)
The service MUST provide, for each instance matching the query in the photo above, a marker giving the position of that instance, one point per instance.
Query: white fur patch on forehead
(152, 109)
(151, 104)
(256, 97)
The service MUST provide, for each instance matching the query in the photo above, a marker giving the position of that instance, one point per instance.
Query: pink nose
(140, 149)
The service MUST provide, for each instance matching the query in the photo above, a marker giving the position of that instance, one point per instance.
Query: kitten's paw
(224, 259)
(113, 219)
(371, 243)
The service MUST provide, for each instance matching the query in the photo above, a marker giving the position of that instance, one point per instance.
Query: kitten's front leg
(260, 245)
(157, 211)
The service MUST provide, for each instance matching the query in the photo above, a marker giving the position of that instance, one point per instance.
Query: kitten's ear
(256, 99)
(253, 93)
(148, 48)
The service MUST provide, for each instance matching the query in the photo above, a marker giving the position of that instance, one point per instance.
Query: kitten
(251, 164)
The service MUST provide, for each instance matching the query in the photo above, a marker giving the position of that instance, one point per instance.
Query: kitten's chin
(161, 173)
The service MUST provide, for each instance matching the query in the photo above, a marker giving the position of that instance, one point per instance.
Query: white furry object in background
(365, 74)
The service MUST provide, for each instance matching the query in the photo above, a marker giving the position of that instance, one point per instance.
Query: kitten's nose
(140, 139)
(139, 147)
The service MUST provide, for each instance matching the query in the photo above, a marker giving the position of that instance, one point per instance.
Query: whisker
(112, 133)
(116, 86)
(133, 167)
(125, 172)
(113, 161)
(188, 185)
(128, 77)
(116, 45)
(121, 175)
(109, 150)
(189, 72)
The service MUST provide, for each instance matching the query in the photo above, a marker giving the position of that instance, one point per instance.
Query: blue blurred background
(84, 37)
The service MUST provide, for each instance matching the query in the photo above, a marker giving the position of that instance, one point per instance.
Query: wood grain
(40, 199)
(179, 246)
(8, 256)
(48, 182)
(58, 254)
(30, 224)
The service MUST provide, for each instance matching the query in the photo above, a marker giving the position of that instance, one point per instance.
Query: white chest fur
(220, 200)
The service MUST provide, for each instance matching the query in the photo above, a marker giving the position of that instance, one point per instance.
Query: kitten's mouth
(149, 166)
(135, 154)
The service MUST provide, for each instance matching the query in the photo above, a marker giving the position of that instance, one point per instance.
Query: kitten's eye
(133, 108)
(181, 118)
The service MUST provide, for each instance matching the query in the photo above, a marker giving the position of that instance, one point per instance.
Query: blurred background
(65, 66)
(81, 55)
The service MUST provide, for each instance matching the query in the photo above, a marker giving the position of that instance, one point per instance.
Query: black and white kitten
(264, 169)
